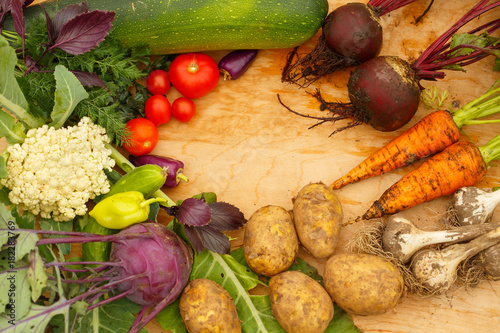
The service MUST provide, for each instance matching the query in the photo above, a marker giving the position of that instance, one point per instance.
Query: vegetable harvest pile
(149, 176)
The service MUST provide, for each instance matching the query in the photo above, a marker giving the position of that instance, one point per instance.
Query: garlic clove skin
(402, 238)
(490, 261)
(436, 269)
(472, 205)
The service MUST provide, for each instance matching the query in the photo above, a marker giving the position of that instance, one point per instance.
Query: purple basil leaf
(66, 14)
(194, 237)
(90, 79)
(210, 238)
(50, 27)
(84, 32)
(26, 3)
(194, 212)
(17, 14)
(4, 9)
(226, 217)
(30, 62)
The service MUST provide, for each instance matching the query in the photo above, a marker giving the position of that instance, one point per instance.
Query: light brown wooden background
(244, 146)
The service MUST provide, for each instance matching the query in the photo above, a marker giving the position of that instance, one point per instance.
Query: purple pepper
(175, 167)
(235, 63)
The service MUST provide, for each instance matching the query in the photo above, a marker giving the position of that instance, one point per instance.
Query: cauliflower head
(54, 172)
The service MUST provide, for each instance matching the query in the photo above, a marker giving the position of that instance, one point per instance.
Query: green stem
(126, 166)
(151, 200)
(486, 105)
(491, 150)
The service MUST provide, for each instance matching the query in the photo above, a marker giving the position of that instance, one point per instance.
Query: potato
(317, 214)
(299, 303)
(206, 307)
(363, 284)
(270, 243)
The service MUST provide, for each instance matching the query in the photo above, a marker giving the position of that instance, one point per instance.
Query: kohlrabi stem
(126, 166)
(70, 263)
(108, 300)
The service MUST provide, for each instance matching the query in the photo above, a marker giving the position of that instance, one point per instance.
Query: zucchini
(146, 179)
(180, 26)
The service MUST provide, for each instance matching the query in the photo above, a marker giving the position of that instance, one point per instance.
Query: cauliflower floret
(54, 172)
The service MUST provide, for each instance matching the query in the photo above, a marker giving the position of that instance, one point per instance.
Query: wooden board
(247, 148)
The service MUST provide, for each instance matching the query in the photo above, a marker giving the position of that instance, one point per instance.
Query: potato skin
(299, 303)
(363, 284)
(317, 214)
(270, 243)
(206, 307)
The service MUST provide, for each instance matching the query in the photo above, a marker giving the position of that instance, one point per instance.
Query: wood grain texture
(244, 146)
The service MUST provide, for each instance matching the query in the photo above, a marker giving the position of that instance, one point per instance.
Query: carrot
(461, 164)
(430, 135)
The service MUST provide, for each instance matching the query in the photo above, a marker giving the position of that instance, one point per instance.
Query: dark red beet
(351, 34)
(354, 31)
(386, 89)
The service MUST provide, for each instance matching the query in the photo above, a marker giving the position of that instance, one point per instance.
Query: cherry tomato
(183, 109)
(194, 74)
(144, 136)
(158, 82)
(158, 110)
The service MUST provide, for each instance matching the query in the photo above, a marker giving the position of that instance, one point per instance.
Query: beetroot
(382, 87)
(384, 91)
(351, 34)
(354, 31)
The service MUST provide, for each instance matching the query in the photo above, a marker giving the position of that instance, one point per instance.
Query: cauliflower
(54, 172)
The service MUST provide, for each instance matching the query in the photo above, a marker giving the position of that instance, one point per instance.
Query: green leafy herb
(69, 92)
(432, 98)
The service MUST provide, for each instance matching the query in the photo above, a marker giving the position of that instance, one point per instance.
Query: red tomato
(144, 136)
(194, 74)
(183, 109)
(158, 82)
(157, 109)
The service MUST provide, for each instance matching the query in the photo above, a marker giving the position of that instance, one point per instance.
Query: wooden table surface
(249, 150)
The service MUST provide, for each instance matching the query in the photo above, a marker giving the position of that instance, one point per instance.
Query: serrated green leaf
(37, 276)
(481, 41)
(10, 129)
(11, 95)
(37, 318)
(116, 317)
(49, 224)
(25, 243)
(16, 285)
(69, 92)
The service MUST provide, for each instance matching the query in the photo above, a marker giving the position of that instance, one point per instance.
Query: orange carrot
(432, 134)
(461, 164)
(429, 136)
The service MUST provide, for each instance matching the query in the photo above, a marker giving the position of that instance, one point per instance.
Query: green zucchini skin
(181, 26)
